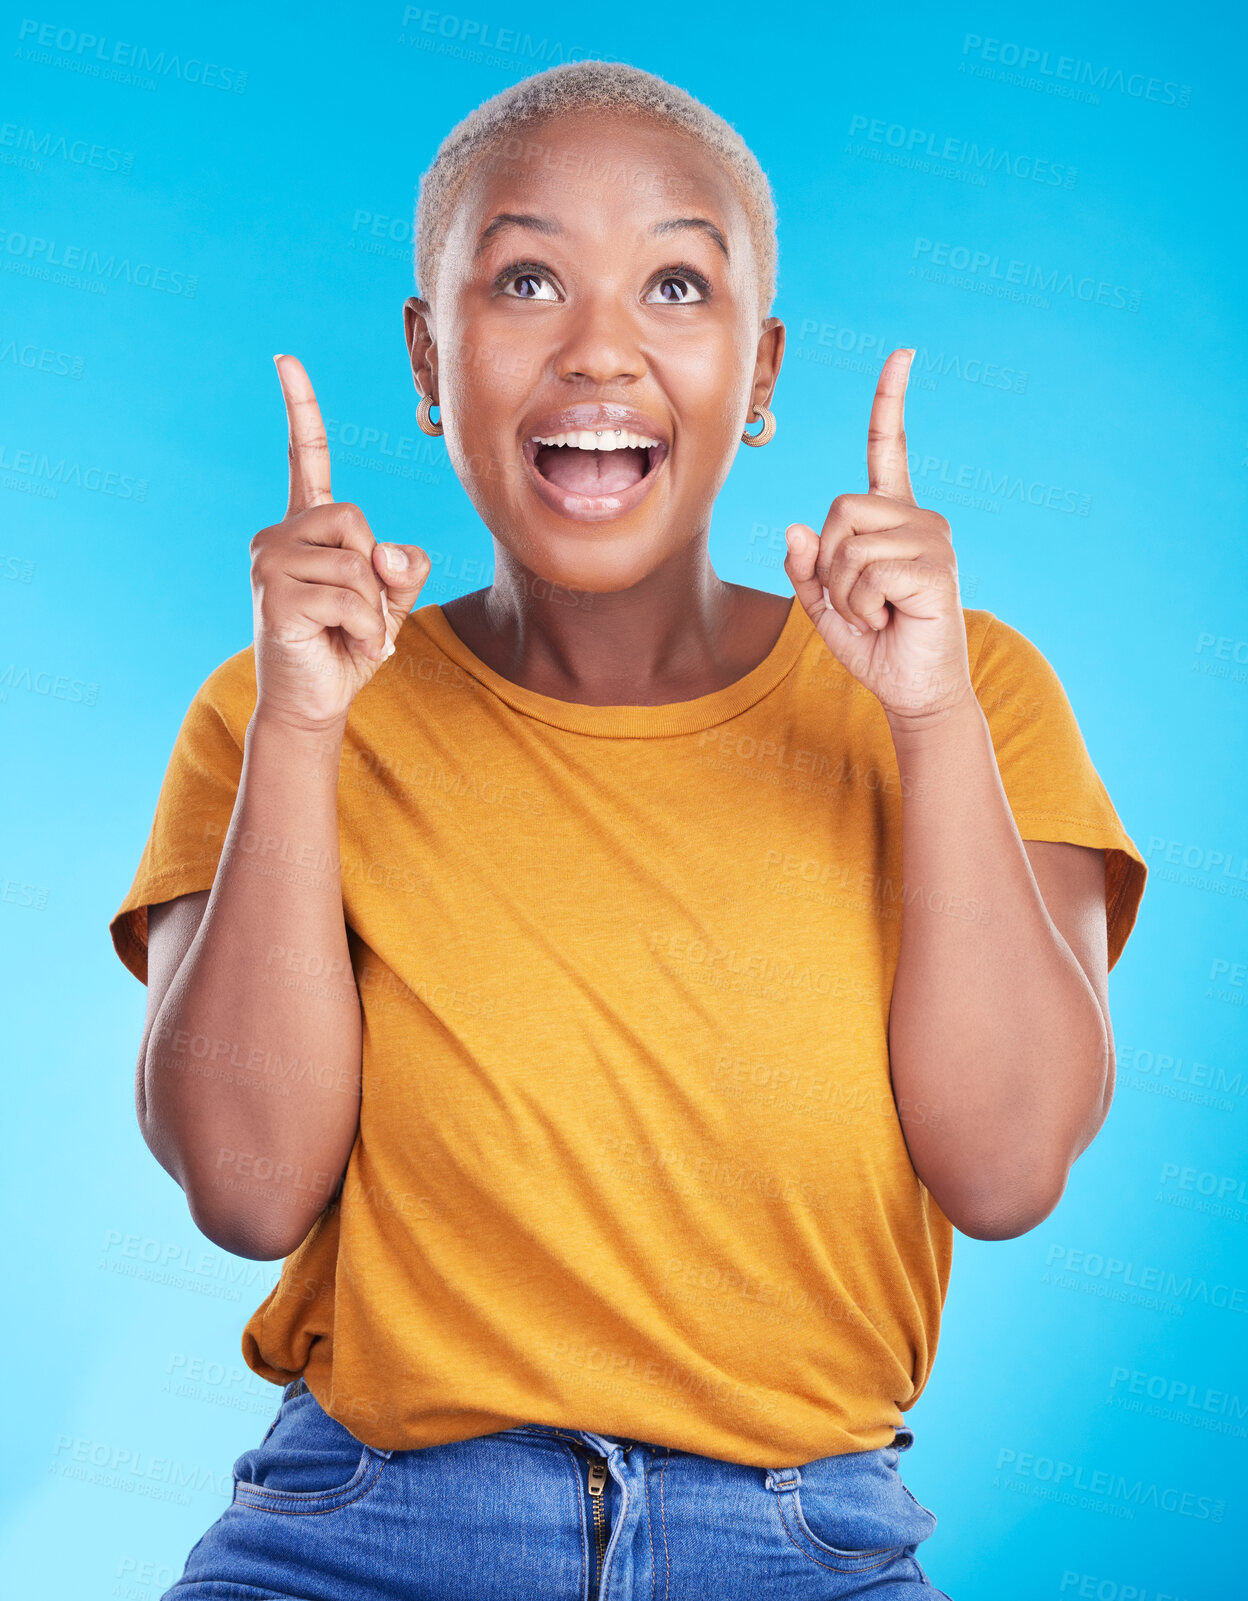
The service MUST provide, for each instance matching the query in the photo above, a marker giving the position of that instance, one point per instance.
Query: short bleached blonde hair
(577, 86)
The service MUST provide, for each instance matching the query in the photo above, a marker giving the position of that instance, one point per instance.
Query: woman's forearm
(995, 1029)
(252, 1069)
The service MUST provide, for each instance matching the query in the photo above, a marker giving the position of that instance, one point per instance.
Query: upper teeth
(597, 439)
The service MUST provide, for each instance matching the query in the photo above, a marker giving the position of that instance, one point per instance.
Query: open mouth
(594, 472)
(595, 461)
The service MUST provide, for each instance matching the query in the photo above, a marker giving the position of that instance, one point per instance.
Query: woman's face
(578, 303)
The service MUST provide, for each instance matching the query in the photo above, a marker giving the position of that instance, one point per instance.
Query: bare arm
(248, 1082)
(999, 1021)
(999, 1032)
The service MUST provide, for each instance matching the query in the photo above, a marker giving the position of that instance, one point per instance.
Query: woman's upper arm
(1071, 880)
(171, 930)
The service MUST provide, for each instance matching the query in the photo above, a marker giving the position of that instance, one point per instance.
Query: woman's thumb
(403, 570)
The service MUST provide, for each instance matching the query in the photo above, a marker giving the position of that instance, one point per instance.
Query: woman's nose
(599, 345)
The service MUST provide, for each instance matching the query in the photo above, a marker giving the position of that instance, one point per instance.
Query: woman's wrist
(279, 729)
(292, 764)
(921, 730)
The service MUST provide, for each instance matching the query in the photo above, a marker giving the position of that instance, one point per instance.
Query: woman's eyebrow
(515, 219)
(692, 221)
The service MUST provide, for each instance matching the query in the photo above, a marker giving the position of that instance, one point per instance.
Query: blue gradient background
(1135, 417)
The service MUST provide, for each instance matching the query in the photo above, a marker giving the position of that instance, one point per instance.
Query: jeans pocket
(850, 1513)
(306, 1463)
(844, 1558)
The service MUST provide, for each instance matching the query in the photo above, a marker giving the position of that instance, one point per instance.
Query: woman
(609, 990)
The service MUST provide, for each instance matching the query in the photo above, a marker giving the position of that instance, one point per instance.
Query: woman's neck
(680, 633)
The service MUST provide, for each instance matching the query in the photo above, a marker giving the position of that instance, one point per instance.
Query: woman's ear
(418, 331)
(767, 362)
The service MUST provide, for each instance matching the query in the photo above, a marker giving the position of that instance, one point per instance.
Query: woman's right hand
(327, 599)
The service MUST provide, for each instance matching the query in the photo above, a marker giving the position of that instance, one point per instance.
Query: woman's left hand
(881, 583)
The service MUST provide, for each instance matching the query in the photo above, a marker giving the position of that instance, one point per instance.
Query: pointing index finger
(309, 448)
(887, 470)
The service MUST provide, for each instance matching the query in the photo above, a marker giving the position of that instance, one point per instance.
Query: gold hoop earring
(427, 426)
(766, 433)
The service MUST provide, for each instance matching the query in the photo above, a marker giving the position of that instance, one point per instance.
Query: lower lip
(592, 508)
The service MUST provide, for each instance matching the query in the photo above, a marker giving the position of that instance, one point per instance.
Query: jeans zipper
(597, 1483)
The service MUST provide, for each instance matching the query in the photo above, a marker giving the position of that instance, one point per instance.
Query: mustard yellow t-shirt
(628, 1155)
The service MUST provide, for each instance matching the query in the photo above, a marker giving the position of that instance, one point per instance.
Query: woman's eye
(533, 283)
(686, 291)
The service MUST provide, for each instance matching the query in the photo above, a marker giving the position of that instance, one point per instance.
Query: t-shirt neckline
(629, 722)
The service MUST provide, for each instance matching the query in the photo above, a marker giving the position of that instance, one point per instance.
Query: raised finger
(887, 469)
(309, 448)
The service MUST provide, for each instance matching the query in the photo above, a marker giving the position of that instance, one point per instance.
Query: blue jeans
(552, 1514)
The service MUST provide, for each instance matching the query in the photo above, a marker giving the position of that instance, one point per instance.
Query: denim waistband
(903, 1439)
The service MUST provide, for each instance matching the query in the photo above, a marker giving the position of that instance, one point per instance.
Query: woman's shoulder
(763, 606)
(1014, 679)
(997, 648)
(761, 618)
(977, 622)
(228, 693)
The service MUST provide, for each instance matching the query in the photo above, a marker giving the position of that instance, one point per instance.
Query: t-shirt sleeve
(1054, 791)
(195, 805)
